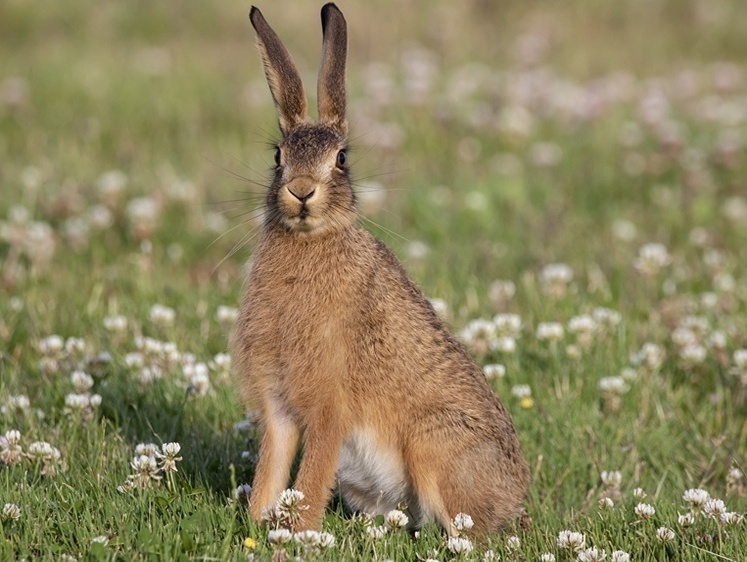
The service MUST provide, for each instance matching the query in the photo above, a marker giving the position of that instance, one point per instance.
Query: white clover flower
(169, 456)
(620, 556)
(571, 540)
(629, 374)
(162, 315)
(463, 522)
(639, 493)
(686, 520)
(652, 258)
(50, 345)
(396, 519)
(494, 371)
(489, 556)
(735, 476)
(440, 307)
(479, 334)
(376, 532)
(279, 536)
(731, 518)
(611, 478)
(503, 344)
(582, 326)
(644, 510)
(521, 391)
(512, 543)
(11, 451)
(507, 324)
(696, 497)
(308, 539)
(197, 376)
(550, 331)
(147, 449)
(606, 503)
(592, 554)
(714, 508)
(226, 315)
(77, 401)
(555, 279)
(75, 346)
(145, 472)
(740, 359)
(613, 385)
(501, 292)
(664, 534)
(693, 354)
(143, 214)
(11, 512)
(101, 539)
(19, 402)
(242, 493)
(81, 381)
(650, 356)
(326, 540)
(547, 557)
(117, 324)
(606, 317)
(459, 546)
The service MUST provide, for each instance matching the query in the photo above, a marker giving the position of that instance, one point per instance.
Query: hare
(336, 347)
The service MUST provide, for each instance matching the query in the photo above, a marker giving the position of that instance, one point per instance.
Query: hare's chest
(371, 474)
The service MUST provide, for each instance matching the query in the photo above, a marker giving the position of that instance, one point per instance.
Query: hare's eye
(342, 158)
(277, 156)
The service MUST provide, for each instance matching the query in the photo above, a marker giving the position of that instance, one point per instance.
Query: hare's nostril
(302, 198)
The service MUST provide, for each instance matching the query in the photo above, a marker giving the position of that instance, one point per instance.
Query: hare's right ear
(282, 76)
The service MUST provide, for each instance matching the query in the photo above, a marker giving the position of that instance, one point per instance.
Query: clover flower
(686, 520)
(644, 511)
(731, 518)
(494, 370)
(592, 554)
(555, 279)
(463, 522)
(162, 315)
(619, 556)
(48, 455)
(11, 512)
(512, 543)
(550, 331)
(11, 451)
(146, 472)
(714, 508)
(396, 520)
(376, 532)
(459, 546)
(664, 534)
(279, 537)
(571, 540)
(168, 458)
(652, 258)
(696, 498)
(547, 557)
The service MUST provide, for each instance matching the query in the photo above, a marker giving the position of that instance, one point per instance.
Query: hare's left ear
(331, 84)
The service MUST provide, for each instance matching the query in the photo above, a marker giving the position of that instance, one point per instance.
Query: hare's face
(311, 189)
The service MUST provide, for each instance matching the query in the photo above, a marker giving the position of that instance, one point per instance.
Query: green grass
(174, 99)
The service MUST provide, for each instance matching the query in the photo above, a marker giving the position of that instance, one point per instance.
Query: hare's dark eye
(342, 158)
(277, 156)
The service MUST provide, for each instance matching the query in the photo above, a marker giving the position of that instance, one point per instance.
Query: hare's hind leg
(276, 451)
(426, 474)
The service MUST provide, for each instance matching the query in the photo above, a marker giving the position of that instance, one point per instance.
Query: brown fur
(335, 345)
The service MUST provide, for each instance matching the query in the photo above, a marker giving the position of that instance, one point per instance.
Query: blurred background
(513, 127)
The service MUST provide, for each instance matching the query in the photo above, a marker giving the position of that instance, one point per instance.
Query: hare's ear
(331, 85)
(282, 75)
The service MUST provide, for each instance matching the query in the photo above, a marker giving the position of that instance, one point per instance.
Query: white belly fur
(371, 475)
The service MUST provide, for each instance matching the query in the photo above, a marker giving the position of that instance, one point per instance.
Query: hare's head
(311, 191)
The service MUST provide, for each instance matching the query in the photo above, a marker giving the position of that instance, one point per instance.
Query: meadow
(567, 181)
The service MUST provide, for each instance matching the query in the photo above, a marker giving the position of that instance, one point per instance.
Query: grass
(489, 143)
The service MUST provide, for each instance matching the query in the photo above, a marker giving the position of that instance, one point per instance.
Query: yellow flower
(250, 543)
(527, 402)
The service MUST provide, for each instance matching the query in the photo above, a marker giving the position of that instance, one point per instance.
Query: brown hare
(336, 347)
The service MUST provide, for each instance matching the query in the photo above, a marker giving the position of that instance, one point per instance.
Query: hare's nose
(299, 194)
